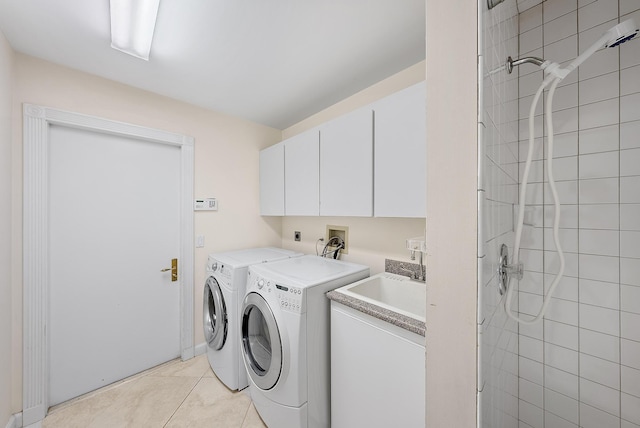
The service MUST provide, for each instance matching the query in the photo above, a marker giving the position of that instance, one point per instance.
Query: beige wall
(6, 65)
(388, 86)
(371, 240)
(452, 213)
(226, 168)
(226, 165)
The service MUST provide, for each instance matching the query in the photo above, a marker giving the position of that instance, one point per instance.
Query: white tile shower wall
(497, 194)
(581, 366)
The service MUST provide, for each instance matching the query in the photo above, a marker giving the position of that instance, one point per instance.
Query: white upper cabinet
(400, 177)
(346, 165)
(302, 174)
(272, 180)
(370, 162)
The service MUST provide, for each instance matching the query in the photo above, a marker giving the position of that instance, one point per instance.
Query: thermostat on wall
(208, 204)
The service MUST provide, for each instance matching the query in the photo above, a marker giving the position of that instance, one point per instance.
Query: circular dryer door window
(261, 343)
(215, 315)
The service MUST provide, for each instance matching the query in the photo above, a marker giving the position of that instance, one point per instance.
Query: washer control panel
(214, 266)
(289, 298)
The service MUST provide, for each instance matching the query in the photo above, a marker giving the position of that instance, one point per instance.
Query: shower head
(621, 33)
(615, 36)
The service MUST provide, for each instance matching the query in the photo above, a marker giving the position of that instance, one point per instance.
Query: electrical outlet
(297, 235)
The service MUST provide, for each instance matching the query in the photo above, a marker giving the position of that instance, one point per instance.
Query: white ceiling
(274, 62)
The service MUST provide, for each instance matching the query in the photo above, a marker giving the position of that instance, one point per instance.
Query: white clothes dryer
(285, 337)
(223, 293)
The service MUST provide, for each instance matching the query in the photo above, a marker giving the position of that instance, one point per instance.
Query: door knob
(173, 269)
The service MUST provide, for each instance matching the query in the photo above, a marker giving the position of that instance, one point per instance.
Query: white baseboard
(201, 348)
(12, 422)
(15, 421)
(187, 354)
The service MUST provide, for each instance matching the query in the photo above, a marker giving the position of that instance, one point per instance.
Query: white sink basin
(394, 292)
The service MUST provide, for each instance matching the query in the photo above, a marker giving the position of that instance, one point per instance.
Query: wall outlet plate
(297, 235)
(417, 244)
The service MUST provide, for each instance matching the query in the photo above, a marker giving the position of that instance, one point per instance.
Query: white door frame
(36, 122)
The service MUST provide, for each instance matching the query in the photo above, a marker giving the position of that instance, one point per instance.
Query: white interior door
(114, 223)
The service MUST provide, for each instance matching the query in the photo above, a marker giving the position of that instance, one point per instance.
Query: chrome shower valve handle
(507, 271)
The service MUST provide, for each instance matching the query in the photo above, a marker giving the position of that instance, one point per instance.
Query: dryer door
(261, 344)
(215, 315)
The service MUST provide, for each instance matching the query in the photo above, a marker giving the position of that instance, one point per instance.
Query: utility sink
(394, 292)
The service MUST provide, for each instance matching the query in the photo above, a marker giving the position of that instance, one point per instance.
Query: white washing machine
(223, 293)
(285, 337)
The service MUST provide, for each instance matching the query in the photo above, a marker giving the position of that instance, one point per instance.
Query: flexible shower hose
(523, 193)
(613, 37)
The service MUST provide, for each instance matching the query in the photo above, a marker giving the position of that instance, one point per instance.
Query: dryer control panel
(289, 298)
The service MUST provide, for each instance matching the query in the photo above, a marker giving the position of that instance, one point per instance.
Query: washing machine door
(261, 342)
(215, 315)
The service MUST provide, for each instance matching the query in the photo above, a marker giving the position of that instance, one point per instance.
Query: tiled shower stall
(580, 367)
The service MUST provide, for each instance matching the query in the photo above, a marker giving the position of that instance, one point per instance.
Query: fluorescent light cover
(132, 25)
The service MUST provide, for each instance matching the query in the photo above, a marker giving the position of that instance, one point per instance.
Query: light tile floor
(175, 394)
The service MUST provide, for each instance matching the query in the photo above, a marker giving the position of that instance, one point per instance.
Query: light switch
(200, 241)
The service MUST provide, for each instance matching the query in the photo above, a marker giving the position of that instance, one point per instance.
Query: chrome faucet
(412, 273)
(413, 245)
(422, 274)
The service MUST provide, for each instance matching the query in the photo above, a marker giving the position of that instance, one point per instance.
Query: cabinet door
(400, 181)
(346, 165)
(272, 180)
(302, 174)
(377, 375)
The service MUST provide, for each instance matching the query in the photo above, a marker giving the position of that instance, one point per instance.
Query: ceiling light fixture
(132, 26)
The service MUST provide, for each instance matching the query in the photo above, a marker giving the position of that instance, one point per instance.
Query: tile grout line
(619, 229)
(578, 224)
(184, 399)
(244, 419)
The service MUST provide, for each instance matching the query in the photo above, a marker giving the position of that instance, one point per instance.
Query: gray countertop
(408, 323)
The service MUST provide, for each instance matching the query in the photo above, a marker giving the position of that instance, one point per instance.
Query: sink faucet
(413, 245)
(412, 273)
(423, 273)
